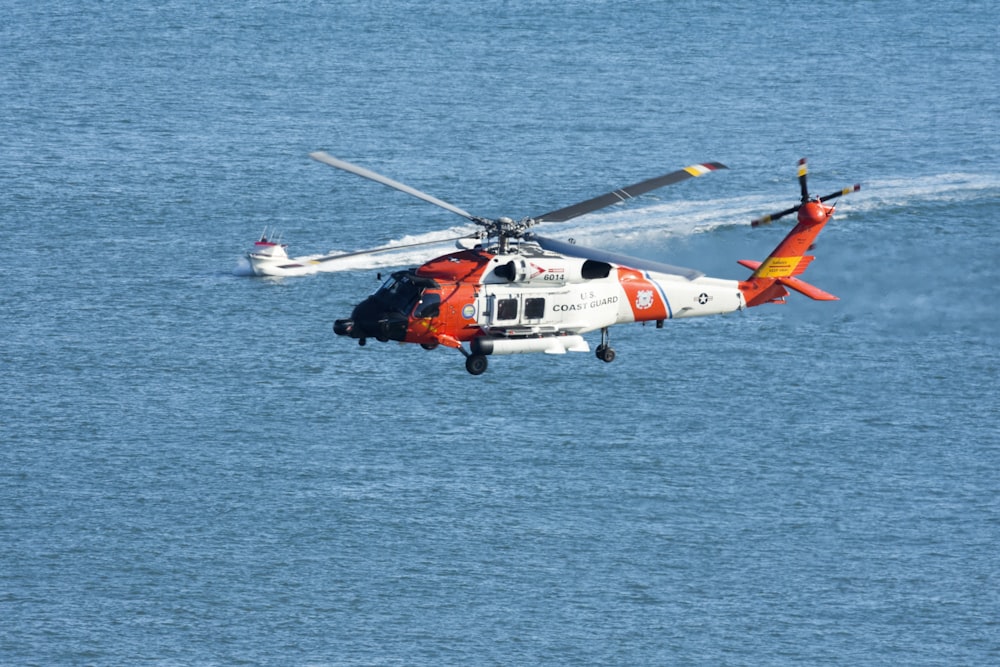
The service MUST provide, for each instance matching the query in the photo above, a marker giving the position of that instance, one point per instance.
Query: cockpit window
(402, 290)
(429, 306)
(398, 294)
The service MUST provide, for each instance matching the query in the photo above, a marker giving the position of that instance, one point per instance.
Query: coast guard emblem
(644, 299)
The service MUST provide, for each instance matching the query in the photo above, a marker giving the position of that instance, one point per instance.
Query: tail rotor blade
(846, 191)
(803, 171)
(768, 219)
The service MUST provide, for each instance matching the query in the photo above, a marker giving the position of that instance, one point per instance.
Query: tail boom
(771, 277)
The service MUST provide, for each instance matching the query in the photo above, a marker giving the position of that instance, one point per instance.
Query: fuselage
(528, 292)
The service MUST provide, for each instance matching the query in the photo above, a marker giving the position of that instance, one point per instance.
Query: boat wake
(630, 226)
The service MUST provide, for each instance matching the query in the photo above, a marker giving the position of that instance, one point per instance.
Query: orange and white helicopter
(516, 292)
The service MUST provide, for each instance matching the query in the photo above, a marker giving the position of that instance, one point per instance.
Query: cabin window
(534, 309)
(507, 309)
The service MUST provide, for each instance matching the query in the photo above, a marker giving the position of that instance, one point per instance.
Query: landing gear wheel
(429, 346)
(476, 364)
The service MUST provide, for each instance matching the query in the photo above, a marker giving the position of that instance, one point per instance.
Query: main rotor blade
(573, 250)
(388, 248)
(320, 156)
(628, 192)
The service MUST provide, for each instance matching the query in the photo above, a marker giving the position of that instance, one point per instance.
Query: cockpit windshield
(402, 290)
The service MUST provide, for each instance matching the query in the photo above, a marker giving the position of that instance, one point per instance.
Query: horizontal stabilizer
(810, 291)
(749, 263)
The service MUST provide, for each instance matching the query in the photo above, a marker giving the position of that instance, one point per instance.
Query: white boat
(270, 258)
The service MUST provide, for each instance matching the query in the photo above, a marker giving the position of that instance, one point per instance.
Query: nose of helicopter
(344, 327)
(371, 320)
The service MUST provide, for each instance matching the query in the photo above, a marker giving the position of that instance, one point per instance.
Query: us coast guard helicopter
(516, 292)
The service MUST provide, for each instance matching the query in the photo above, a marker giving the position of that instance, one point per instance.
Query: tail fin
(789, 259)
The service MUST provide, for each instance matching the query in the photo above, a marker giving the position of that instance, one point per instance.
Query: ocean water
(195, 470)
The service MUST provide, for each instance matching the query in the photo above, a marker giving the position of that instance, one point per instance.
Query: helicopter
(516, 292)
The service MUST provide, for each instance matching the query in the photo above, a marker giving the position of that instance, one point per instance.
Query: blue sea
(194, 470)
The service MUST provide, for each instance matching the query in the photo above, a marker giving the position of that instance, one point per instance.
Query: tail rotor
(806, 199)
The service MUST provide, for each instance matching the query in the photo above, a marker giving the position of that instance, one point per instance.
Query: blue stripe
(663, 295)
